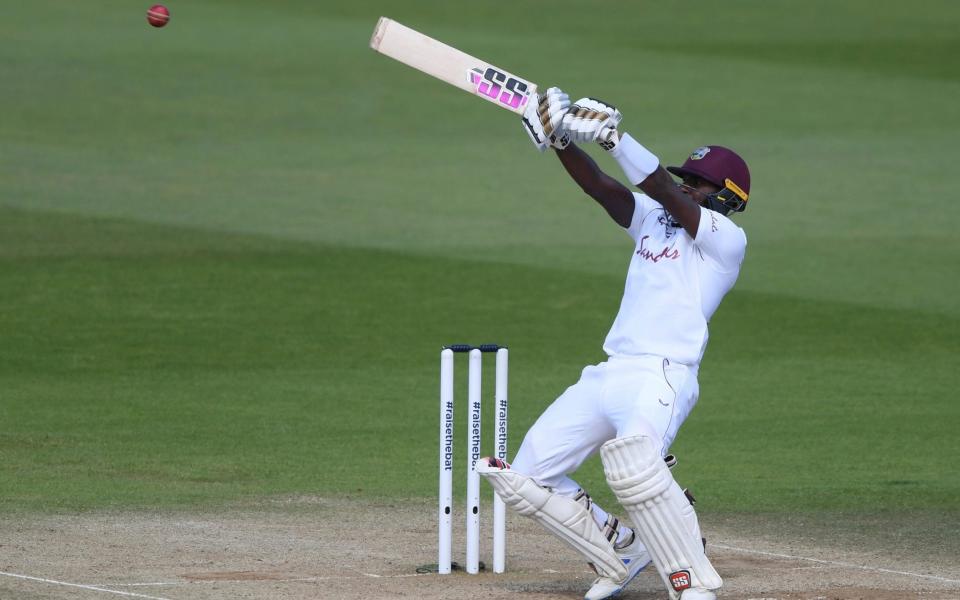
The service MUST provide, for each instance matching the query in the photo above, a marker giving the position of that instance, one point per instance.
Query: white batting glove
(543, 119)
(591, 120)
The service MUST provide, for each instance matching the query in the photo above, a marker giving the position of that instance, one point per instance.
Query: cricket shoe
(697, 594)
(635, 558)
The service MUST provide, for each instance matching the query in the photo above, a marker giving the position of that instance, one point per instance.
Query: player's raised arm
(662, 188)
(588, 120)
(612, 195)
(543, 122)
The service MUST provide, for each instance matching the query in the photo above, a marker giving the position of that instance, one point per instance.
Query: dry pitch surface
(324, 548)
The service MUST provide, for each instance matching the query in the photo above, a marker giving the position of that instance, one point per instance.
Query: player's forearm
(661, 187)
(616, 199)
(581, 168)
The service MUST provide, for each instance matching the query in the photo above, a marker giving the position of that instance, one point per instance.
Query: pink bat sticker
(499, 87)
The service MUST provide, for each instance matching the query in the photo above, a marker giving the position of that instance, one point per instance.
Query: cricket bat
(451, 65)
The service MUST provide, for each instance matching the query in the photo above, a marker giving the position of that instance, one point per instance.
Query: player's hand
(543, 119)
(592, 120)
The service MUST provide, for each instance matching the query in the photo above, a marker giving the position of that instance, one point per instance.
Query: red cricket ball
(158, 15)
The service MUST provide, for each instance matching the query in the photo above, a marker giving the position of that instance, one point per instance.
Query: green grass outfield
(231, 249)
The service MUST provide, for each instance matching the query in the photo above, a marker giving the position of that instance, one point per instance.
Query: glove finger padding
(588, 117)
(553, 107)
(543, 119)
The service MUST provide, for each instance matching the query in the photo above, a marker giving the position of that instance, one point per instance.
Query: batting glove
(543, 119)
(591, 120)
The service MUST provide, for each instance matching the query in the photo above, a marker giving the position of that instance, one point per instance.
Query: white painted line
(375, 576)
(291, 580)
(136, 584)
(401, 576)
(198, 581)
(837, 563)
(77, 585)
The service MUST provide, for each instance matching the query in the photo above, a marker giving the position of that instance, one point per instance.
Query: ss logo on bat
(499, 87)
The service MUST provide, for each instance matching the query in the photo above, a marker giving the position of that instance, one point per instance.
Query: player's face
(697, 188)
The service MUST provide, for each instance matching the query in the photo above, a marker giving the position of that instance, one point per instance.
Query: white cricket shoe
(635, 558)
(697, 594)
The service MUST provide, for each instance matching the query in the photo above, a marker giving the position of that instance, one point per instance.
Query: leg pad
(663, 518)
(566, 518)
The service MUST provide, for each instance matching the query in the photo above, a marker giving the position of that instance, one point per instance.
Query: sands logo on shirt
(655, 256)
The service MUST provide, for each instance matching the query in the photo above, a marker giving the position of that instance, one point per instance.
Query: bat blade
(448, 64)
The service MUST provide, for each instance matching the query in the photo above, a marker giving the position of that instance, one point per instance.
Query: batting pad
(565, 517)
(661, 513)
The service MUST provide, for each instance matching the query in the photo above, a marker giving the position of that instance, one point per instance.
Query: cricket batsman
(686, 256)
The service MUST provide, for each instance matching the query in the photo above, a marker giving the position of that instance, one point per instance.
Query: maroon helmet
(723, 168)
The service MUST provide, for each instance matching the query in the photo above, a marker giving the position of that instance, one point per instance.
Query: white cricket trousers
(621, 397)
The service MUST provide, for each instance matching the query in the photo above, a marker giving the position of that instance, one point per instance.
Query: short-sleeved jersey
(674, 283)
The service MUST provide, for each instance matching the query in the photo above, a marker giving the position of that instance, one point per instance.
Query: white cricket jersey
(674, 283)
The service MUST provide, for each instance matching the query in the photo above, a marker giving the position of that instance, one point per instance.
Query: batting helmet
(723, 168)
